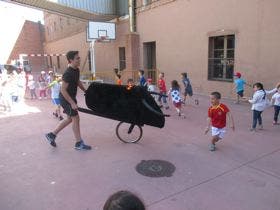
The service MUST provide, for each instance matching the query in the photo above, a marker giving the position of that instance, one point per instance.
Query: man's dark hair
(71, 55)
(217, 95)
(123, 200)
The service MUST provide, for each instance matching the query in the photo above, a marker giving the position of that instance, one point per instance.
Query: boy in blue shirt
(239, 86)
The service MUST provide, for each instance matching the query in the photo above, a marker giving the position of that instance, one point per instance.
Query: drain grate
(155, 168)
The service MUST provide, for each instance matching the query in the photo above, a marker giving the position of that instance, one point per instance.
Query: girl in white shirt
(259, 103)
(276, 104)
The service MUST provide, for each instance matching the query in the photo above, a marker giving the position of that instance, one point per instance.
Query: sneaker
(260, 127)
(212, 147)
(253, 129)
(82, 146)
(51, 138)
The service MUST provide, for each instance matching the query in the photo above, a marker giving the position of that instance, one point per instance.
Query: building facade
(208, 40)
(30, 41)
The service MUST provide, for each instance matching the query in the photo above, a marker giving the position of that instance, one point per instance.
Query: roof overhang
(52, 7)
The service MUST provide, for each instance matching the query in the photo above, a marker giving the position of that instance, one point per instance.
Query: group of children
(217, 112)
(12, 88)
(49, 84)
(174, 93)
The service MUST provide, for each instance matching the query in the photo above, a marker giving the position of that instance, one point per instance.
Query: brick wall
(30, 41)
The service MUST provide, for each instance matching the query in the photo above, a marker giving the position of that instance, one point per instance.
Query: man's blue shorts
(56, 101)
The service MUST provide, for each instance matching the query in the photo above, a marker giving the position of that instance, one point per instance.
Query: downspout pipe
(132, 15)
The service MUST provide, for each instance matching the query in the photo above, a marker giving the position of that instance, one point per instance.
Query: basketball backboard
(98, 30)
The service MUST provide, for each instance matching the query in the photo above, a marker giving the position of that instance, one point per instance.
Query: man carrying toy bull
(70, 83)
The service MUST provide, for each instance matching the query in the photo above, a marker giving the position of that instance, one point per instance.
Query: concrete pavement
(243, 174)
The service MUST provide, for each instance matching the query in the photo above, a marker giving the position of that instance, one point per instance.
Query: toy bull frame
(133, 106)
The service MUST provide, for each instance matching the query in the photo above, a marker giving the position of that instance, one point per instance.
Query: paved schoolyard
(243, 174)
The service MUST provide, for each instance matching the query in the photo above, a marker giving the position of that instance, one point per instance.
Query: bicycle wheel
(129, 133)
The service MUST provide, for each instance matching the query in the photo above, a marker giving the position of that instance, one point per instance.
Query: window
(61, 23)
(221, 58)
(54, 26)
(122, 58)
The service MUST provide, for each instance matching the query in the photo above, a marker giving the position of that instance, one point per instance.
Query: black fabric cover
(120, 103)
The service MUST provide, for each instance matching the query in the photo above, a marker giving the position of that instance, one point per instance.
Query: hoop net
(103, 39)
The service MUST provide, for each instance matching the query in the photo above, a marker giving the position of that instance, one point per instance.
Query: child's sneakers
(253, 129)
(51, 138)
(275, 123)
(82, 146)
(212, 147)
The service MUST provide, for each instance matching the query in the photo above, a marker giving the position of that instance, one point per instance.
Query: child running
(239, 86)
(259, 103)
(188, 87)
(55, 86)
(217, 115)
(276, 103)
(162, 91)
(176, 98)
(32, 87)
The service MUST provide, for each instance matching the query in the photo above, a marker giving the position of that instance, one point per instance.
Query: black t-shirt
(72, 77)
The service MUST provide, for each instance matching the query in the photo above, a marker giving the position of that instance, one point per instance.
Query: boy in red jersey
(163, 91)
(217, 115)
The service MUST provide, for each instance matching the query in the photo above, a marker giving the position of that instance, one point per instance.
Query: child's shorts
(56, 101)
(220, 132)
(178, 104)
(240, 93)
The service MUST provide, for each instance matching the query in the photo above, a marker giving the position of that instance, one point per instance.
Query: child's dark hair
(129, 80)
(123, 200)
(175, 85)
(185, 75)
(162, 73)
(141, 72)
(71, 55)
(258, 85)
(216, 94)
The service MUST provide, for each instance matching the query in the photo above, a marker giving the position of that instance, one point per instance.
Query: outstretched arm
(208, 125)
(230, 119)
